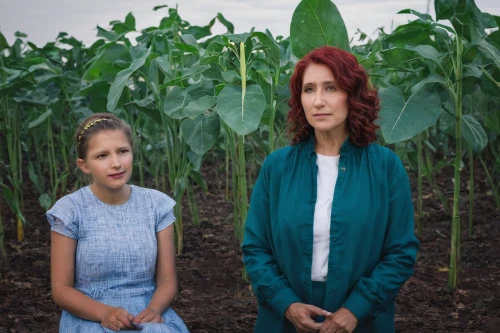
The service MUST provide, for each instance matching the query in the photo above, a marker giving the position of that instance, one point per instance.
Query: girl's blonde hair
(96, 123)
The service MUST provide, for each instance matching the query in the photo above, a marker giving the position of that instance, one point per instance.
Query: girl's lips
(116, 175)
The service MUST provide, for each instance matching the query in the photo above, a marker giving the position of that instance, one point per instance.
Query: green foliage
(317, 23)
(190, 96)
(405, 118)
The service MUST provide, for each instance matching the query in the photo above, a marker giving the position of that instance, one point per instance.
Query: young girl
(113, 256)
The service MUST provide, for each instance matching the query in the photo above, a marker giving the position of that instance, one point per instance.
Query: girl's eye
(101, 156)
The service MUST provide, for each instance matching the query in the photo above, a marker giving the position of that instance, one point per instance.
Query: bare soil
(213, 298)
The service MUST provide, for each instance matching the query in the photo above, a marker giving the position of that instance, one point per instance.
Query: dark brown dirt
(212, 297)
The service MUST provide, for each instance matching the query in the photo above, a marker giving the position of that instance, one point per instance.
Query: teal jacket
(373, 247)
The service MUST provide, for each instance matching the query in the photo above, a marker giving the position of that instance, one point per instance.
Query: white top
(328, 170)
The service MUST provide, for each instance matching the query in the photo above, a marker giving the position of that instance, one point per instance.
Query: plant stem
(492, 184)
(2, 244)
(471, 190)
(242, 185)
(419, 174)
(455, 233)
(226, 196)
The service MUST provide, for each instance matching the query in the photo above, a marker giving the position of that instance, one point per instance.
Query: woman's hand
(148, 315)
(341, 321)
(116, 319)
(301, 315)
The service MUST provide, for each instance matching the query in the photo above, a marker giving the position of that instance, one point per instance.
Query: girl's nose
(115, 162)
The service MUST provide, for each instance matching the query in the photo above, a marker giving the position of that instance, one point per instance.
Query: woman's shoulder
(385, 153)
(386, 157)
(287, 153)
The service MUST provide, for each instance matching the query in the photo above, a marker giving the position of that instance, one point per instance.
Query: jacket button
(342, 168)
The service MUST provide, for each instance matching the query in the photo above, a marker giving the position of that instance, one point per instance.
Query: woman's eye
(331, 88)
(308, 89)
(101, 156)
(123, 151)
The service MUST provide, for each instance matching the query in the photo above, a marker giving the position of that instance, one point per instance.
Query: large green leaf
(489, 51)
(148, 107)
(3, 42)
(241, 113)
(229, 26)
(102, 63)
(201, 132)
(188, 73)
(402, 57)
(116, 90)
(402, 119)
(11, 201)
(271, 48)
(199, 105)
(428, 52)
(433, 78)
(188, 102)
(413, 33)
(473, 133)
(177, 99)
(425, 17)
(40, 119)
(317, 23)
(492, 121)
(124, 27)
(464, 15)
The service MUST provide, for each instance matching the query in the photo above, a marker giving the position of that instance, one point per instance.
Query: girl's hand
(116, 319)
(148, 315)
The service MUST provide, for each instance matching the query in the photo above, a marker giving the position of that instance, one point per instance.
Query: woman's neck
(112, 197)
(329, 144)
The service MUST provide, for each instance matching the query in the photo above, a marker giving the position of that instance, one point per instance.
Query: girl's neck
(329, 144)
(112, 197)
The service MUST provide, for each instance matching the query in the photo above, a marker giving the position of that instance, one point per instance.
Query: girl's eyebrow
(99, 152)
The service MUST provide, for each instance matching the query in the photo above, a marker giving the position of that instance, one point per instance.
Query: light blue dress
(116, 253)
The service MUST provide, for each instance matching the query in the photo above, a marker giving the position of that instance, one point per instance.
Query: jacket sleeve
(371, 294)
(269, 284)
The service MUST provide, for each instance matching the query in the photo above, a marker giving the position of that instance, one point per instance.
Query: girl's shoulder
(68, 210)
(149, 195)
(72, 200)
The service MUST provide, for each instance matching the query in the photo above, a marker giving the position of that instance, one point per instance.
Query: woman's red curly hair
(363, 101)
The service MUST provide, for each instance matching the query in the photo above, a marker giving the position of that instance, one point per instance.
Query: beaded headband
(89, 125)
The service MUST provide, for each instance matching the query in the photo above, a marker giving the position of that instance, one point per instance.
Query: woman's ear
(80, 163)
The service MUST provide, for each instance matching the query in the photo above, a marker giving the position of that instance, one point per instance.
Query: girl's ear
(80, 163)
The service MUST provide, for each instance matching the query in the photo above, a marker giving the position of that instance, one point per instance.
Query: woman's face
(324, 102)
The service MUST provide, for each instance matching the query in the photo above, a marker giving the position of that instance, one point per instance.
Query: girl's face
(324, 102)
(109, 160)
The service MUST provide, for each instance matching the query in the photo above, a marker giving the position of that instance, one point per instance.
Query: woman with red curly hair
(329, 237)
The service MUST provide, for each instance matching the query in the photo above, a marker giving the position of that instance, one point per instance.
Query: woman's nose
(318, 99)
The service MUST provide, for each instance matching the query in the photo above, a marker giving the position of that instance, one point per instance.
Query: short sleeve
(62, 218)
(165, 210)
